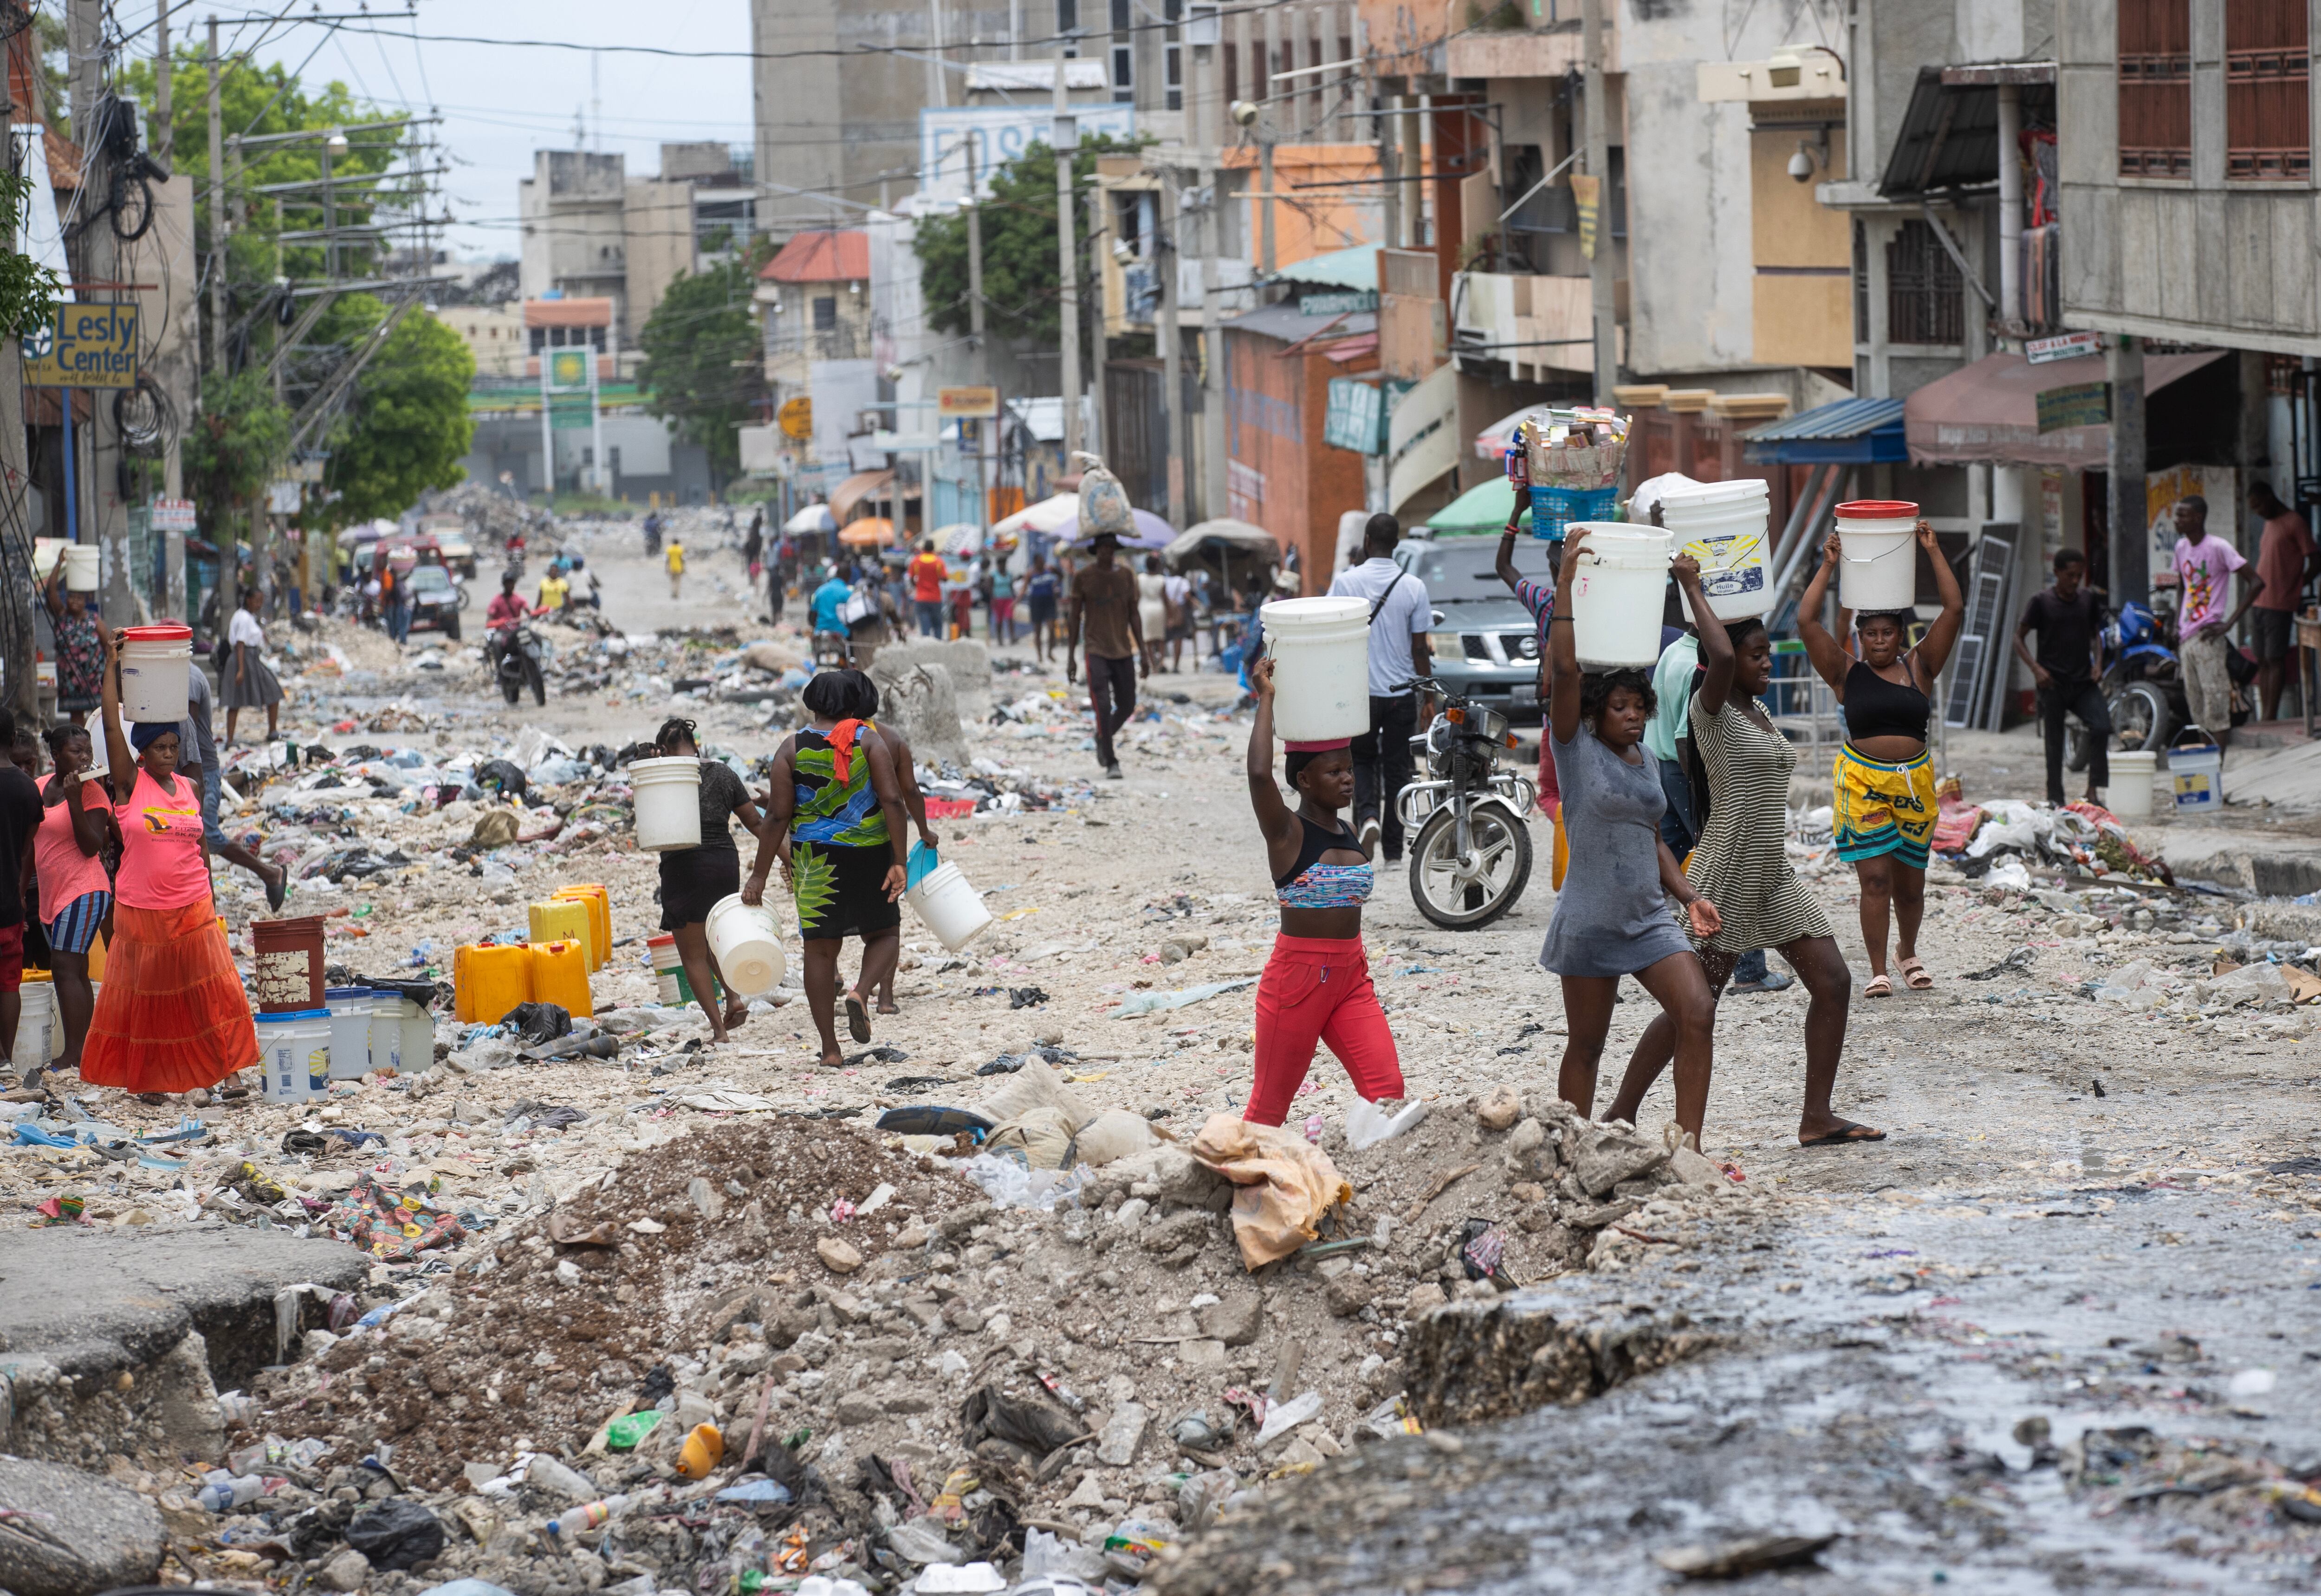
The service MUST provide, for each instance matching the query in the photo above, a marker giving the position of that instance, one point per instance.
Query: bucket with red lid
(156, 666)
(1878, 565)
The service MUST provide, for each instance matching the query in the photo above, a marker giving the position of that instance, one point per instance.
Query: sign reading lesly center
(90, 346)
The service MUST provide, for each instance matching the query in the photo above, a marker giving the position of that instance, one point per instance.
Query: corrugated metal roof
(1357, 268)
(1285, 323)
(839, 255)
(1949, 135)
(1843, 418)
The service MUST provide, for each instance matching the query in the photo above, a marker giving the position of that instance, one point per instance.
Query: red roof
(837, 256)
(593, 312)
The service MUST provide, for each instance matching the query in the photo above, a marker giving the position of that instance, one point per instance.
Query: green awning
(1481, 508)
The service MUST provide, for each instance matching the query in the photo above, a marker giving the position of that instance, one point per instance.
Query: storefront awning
(1847, 432)
(1988, 412)
(860, 486)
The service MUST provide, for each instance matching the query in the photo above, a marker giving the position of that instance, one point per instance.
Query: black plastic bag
(539, 1022)
(502, 776)
(396, 1534)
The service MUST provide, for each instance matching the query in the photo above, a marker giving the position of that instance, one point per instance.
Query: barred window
(2268, 68)
(2155, 89)
(1925, 295)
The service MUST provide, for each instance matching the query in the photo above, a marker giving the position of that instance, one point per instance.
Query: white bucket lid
(1310, 612)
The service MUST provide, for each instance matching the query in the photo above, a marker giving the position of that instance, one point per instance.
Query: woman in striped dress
(834, 817)
(1742, 862)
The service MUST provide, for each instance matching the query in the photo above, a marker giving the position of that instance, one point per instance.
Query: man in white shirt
(1400, 615)
(1177, 598)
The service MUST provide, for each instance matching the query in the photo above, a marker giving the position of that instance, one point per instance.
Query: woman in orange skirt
(171, 1016)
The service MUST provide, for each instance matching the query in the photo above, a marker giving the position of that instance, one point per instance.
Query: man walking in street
(2068, 668)
(2287, 559)
(675, 560)
(1401, 615)
(2205, 567)
(926, 573)
(1104, 604)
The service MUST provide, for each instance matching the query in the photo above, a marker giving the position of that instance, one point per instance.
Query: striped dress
(1742, 862)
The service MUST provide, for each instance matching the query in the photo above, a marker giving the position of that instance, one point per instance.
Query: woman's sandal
(1878, 987)
(857, 1017)
(1914, 975)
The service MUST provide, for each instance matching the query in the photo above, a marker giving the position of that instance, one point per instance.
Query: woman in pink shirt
(75, 893)
(173, 1016)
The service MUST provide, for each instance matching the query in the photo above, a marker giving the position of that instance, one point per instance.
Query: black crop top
(1316, 841)
(1877, 707)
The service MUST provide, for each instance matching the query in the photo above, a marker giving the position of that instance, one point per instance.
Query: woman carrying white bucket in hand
(1884, 810)
(1611, 916)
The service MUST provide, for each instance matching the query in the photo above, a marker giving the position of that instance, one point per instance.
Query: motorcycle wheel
(2142, 716)
(511, 690)
(1503, 850)
(467, 596)
(539, 685)
(451, 629)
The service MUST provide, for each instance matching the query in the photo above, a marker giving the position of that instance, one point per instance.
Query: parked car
(435, 600)
(460, 554)
(1486, 645)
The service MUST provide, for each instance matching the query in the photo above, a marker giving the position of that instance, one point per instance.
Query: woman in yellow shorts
(1884, 808)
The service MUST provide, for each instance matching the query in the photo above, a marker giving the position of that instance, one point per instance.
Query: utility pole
(975, 256)
(2131, 540)
(1207, 130)
(1600, 167)
(1066, 140)
(1389, 159)
(24, 696)
(217, 214)
(1172, 375)
(100, 262)
(1099, 225)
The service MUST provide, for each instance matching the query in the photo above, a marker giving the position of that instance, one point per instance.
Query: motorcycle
(2142, 684)
(1470, 848)
(515, 654)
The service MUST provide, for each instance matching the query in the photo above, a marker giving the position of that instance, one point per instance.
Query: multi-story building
(591, 230)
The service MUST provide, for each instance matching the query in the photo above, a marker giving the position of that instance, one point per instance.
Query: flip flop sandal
(1844, 1135)
(857, 1017)
(1878, 987)
(1914, 975)
(278, 892)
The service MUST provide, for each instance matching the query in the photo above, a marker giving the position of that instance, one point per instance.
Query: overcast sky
(499, 104)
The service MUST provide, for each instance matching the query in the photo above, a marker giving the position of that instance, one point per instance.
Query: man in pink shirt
(2287, 559)
(2204, 568)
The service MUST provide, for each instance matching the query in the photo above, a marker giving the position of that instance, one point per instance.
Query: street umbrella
(813, 518)
(1225, 530)
(869, 533)
(1049, 515)
(958, 540)
(1151, 532)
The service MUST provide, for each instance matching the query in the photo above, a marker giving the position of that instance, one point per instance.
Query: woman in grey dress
(1741, 861)
(1611, 916)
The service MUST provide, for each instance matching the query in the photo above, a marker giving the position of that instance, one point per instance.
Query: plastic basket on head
(1554, 510)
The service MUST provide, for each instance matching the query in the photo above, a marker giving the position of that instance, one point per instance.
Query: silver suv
(1486, 644)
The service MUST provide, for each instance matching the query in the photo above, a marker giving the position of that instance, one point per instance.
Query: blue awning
(1850, 431)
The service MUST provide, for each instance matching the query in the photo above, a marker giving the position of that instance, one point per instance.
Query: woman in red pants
(1317, 986)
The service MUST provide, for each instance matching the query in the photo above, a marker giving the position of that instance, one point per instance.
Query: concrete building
(493, 334)
(591, 230)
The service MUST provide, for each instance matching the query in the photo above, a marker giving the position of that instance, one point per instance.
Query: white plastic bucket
(952, 909)
(384, 1049)
(1618, 595)
(415, 1044)
(1879, 563)
(2129, 796)
(747, 944)
(293, 1051)
(38, 1036)
(80, 568)
(669, 803)
(1321, 653)
(2197, 771)
(1722, 524)
(46, 552)
(155, 671)
(351, 1011)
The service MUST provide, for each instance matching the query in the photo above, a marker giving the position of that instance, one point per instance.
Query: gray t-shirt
(1611, 916)
(197, 744)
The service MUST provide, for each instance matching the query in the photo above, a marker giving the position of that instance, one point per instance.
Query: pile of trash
(792, 1345)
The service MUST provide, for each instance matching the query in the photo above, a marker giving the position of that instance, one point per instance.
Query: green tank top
(843, 814)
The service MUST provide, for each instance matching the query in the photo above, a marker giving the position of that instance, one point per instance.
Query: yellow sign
(90, 346)
(1585, 190)
(967, 404)
(796, 418)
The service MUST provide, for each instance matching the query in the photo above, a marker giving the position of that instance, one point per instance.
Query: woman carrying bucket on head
(173, 1016)
(1317, 985)
(1884, 809)
(1611, 916)
(1742, 861)
(80, 654)
(76, 894)
(834, 817)
(692, 879)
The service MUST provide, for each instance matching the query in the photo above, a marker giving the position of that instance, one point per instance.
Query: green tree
(703, 369)
(1020, 284)
(408, 426)
(233, 446)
